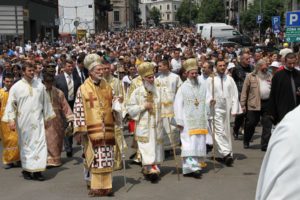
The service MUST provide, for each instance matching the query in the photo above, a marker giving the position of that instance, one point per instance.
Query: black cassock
(282, 97)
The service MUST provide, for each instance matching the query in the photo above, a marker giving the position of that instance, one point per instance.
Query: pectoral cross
(149, 98)
(196, 103)
(91, 99)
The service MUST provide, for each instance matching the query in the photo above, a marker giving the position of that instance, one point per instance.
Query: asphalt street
(66, 182)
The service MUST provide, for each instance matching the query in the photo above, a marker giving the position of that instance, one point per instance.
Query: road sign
(292, 34)
(292, 19)
(292, 24)
(276, 24)
(259, 19)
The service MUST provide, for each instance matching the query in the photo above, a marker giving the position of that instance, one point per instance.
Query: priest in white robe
(279, 174)
(169, 83)
(28, 109)
(190, 117)
(207, 70)
(222, 101)
(144, 108)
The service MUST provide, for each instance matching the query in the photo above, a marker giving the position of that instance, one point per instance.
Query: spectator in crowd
(254, 102)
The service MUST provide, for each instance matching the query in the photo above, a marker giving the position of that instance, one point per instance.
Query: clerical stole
(9, 138)
(93, 116)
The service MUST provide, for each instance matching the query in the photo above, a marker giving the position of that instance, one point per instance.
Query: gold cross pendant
(196, 103)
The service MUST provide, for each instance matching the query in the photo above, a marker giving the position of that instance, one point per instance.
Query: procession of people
(168, 90)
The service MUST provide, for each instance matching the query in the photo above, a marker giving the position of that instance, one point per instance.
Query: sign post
(276, 24)
(259, 20)
(292, 24)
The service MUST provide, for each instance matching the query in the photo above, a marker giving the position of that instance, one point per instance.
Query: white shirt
(265, 88)
(70, 85)
(176, 65)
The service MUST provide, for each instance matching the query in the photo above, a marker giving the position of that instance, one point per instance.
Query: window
(168, 17)
(160, 7)
(116, 16)
(168, 7)
(175, 7)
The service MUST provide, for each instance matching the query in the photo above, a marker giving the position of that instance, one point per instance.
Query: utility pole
(190, 12)
(238, 14)
(126, 13)
(225, 11)
(260, 13)
(76, 25)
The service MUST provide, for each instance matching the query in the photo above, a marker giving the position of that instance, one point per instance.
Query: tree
(187, 12)
(269, 8)
(155, 15)
(211, 11)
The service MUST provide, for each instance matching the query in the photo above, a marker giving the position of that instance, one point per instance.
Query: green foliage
(269, 8)
(155, 15)
(187, 12)
(211, 11)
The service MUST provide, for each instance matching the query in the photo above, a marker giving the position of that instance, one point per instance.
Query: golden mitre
(145, 69)
(190, 64)
(91, 61)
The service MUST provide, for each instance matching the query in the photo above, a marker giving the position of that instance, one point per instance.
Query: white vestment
(29, 105)
(189, 108)
(279, 174)
(169, 84)
(227, 103)
(148, 126)
(202, 79)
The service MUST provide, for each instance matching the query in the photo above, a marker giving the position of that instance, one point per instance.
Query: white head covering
(230, 65)
(275, 64)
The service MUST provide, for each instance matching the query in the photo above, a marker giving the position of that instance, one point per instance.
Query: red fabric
(131, 126)
(280, 68)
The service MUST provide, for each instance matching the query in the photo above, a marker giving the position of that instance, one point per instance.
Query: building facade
(38, 20)
(125, 15)
(167, 8)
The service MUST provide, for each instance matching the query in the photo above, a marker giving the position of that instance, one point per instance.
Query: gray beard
(263, 75)
(149, 87)
(194, 81)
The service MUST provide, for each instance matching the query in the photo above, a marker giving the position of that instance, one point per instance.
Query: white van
(209, 30)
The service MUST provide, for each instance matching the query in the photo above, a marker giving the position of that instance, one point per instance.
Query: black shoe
(236, 136)
(38, 176)
(228, 160)
(27, 175)
(209, 148)
(9, 166)
(153, 178)
(197, 174)
(69, 154)
(263, 149)
(246, 145)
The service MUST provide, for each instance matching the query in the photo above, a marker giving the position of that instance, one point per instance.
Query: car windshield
(235, 33)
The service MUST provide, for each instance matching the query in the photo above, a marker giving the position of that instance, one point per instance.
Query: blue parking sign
(276, 24)
(292, 19)
(259, 19)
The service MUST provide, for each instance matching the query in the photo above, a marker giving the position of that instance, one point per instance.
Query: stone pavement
(66, 182)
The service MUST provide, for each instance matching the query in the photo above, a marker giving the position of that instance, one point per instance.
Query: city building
(28, 20)
(87, 16)
(125, 15)
(167, 8)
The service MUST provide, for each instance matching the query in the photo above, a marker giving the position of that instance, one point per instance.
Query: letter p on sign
(293, 19)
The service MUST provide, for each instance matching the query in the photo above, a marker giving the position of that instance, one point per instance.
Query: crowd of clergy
(168, 90)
